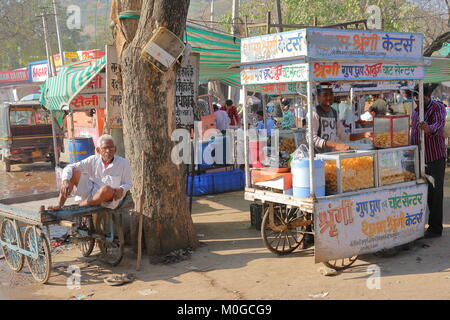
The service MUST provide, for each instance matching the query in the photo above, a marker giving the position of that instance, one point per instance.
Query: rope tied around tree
(130, 14)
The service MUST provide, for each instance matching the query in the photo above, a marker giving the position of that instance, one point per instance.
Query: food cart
(374, 199)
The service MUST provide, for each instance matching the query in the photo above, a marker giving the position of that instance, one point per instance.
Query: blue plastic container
(84, 147)
(199, 155)
(219, 143)
(217, 182)
(300, 178)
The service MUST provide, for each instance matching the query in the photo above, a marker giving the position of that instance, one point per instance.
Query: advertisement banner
(90, 54)
(69, 57)
(353, 225)
(365, 71)
(274, 46)
(19, 75)
(93, 95)
(274, 73)
(38, 71)
(278, 89)
(334, 43)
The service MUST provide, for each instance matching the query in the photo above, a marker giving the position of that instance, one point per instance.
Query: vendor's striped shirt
(434, 116)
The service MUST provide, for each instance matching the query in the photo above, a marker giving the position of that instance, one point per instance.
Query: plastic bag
(301, 152)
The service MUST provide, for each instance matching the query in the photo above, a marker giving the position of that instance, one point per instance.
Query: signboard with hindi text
(274, 46)
(92, 96)
(333, 43)
(364, 71)
(114, 93)
(186, 90)
(318, 43)
(353, 225)
(274, 73)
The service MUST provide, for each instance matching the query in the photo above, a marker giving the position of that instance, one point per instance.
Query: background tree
(149, 120)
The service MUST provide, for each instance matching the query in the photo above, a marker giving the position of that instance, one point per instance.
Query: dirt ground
(233, 264)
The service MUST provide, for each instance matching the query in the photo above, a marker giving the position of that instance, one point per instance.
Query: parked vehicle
(25, 134)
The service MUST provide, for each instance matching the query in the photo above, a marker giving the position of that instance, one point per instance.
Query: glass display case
(398, 165)
(349, 170)
(390, 131)
(287, 141)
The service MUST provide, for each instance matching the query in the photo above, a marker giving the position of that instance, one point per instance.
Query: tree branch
(437, 43)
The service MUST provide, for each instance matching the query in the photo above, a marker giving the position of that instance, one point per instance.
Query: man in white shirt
(222, 119)
(101, 179)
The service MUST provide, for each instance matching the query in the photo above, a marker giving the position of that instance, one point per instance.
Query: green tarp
(217, 51)
(439, 71)
(57, 92)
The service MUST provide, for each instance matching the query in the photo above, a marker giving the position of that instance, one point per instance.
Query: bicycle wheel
(11, 235)
(111, 251)
(85, 243)
(341, 264)
(35, 241)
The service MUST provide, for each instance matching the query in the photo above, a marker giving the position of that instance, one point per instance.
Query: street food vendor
(328, 131)
(288, 117)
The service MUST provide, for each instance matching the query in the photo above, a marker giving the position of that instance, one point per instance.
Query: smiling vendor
(328, 131)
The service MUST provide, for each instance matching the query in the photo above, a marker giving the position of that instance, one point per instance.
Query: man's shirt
(116, 174)
(222, 120)
(233, 115)
(327, 127)
(434, 116)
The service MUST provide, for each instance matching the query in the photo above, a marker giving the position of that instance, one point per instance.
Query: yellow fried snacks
(288, 145)
(357, 173)
(389, 176)
(383, 139)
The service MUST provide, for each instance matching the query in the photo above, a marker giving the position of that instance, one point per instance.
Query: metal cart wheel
(36, 242)
(341, 264)
(85, 243)
(10, 233)
(280, 228)
(111, 250)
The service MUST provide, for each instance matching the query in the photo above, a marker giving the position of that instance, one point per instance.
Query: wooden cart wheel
(111, 252)
(279, 236)
(85, 244)
(341, 264)
(9, 233)
(41, 267)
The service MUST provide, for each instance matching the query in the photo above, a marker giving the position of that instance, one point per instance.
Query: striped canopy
(439, 71)
(217, 51)
(58, 92)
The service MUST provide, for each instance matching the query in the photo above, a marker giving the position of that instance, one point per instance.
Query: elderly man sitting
(102, 179)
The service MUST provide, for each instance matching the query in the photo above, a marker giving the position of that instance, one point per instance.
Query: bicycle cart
(374, 199)
(22, 236)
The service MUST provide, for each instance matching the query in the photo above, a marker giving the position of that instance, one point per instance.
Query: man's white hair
(105, 137)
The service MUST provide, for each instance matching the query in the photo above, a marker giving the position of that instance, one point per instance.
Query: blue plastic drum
(300, 178)
(84, 148)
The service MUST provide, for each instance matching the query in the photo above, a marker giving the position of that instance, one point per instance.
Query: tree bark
(149, 120)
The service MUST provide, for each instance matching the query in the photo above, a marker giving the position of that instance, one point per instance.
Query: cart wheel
(85, 244)
(41, 267)
(341, 264)
(284, 239)
(111, 252)
(10, 234)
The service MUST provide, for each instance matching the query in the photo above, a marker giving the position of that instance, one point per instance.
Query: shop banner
(93, 95)
(113, 91)
(330, 43)
(274, 46)
(90, 54)
(274, 73)
(38, 71)
(186, 92)
(69, 57)
(364, 71)
(367, 223)
(278, 89)
(19, 75)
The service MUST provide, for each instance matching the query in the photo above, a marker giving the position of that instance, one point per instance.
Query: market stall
(354, 202)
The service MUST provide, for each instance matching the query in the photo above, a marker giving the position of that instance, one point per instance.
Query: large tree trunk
(149, 120)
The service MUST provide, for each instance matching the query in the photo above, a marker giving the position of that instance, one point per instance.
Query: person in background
(368, 115)
(270, 123)
(288, 117)
(435, 154)
(222, 119)
(379, 105)
(232, 113)
(343, 111)
(336, 103)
